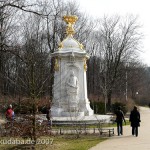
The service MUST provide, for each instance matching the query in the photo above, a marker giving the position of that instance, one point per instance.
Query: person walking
(119, 119)
(135, 121)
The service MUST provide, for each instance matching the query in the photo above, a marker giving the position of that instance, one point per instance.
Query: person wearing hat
(119, 120)
(135, 121)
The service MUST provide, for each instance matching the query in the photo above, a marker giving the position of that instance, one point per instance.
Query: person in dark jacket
(135, 120)
(119, 120)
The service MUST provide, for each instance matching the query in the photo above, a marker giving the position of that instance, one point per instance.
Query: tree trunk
(109, 94)
(52, 78)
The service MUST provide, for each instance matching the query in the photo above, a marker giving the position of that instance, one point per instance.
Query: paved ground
(127, 141)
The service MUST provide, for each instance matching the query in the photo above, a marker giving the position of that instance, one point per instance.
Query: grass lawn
(65, 142)
(61, 142)
(115, 124)
(83, 143)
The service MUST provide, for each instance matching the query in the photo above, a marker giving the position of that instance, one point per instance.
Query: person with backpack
(135, 120)
(119, 119)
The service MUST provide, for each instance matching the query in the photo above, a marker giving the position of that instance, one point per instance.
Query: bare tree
(118, 42)
(8, 26)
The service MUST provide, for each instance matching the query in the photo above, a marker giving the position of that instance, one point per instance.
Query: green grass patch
(65, 142)
(115, 124)
(69, 142)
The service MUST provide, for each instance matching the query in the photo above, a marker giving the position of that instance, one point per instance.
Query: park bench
(110, 131)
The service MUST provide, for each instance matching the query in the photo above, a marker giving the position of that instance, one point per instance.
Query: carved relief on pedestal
(72, 88)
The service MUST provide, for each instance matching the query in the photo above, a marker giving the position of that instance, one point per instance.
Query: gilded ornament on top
(70, 20)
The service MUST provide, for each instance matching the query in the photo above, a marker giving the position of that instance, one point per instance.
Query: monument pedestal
(70, 82)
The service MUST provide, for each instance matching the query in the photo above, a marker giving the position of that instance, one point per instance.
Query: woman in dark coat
(135, 120)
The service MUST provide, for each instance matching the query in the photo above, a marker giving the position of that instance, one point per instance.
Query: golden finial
(70, 20)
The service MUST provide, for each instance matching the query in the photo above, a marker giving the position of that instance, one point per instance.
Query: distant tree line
(30, 32)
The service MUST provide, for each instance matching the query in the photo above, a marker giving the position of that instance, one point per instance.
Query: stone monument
(70, 82)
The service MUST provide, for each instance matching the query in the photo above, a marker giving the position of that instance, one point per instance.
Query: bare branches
(116, 39)
(20, 5)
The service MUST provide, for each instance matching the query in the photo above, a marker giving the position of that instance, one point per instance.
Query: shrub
(98, 107)
(23, 109)
(119, 104)
(43, 109)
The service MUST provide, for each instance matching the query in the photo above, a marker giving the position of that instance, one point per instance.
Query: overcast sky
(140, 8)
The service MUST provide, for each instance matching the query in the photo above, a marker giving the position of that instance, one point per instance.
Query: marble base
(82, 110)
(84, 119)
(72, 114)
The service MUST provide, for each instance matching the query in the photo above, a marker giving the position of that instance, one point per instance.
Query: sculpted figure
(72, 87)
